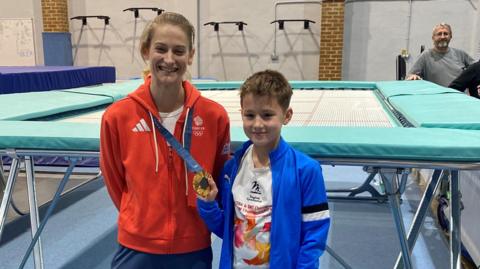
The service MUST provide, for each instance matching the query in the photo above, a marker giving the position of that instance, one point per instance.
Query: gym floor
(82, 232)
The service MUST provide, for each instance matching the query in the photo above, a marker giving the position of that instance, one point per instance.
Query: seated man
(441, 64)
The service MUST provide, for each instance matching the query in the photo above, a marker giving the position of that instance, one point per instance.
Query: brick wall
(331, 46)
(55, 16)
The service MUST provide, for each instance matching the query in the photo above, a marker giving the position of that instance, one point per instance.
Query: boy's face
(263, 118)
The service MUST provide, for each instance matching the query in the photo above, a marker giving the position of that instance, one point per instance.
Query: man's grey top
(441, 68)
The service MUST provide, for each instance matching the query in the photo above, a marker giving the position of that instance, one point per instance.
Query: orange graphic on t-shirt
(263, 254)
(245, 233)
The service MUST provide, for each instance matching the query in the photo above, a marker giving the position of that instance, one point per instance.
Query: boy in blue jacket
(272, 209)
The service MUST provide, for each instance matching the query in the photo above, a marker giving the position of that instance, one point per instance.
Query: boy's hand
(213, 191)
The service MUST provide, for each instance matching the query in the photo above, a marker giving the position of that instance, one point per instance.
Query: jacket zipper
(171, 171)
(233, 174)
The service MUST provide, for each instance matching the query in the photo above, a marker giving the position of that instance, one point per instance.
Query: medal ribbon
(192, 165)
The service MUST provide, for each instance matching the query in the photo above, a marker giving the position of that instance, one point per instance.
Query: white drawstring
(155, 141)
(184, 163)
(156, 151)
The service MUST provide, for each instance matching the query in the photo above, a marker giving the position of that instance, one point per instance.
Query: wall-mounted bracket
(281, 23)
(274, 55)
(216, 24)
(135, 10)
(84, 18)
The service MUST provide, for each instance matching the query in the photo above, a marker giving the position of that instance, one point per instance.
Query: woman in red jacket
(147, 176)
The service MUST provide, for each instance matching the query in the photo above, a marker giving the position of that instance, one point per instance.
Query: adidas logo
(141, 126)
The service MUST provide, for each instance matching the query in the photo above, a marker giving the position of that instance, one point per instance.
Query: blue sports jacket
(300, 216)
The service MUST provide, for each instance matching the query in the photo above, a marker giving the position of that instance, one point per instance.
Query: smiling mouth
(443, 44)
(168, 69)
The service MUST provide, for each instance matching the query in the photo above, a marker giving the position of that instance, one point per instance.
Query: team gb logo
(198, 127)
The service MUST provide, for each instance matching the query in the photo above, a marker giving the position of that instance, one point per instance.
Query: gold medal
(200, 183)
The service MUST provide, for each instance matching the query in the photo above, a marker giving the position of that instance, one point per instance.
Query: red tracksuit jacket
(148, 181)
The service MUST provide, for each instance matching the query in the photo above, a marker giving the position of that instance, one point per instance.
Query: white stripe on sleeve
(315, 216)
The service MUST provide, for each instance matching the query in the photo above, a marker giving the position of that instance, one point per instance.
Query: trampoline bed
(339, 123)
(15, 79)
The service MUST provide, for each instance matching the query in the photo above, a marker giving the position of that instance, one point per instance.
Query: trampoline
(389, 127)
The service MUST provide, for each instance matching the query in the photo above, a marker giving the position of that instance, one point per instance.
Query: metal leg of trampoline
(337, 257)
(364, 187)
(50, 209)
(34, 216)
(393, 191)
(2, 173)
(420, 214)
(7, 195)
(2, 179)
(455, 228)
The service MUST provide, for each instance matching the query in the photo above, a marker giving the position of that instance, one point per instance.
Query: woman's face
(169, 54)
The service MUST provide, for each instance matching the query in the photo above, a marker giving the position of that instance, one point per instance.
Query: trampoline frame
(393, 173)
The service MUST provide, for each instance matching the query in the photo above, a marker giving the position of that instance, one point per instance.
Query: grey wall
(228, 54)
(27, 9)
(117, 43)
(375, 32)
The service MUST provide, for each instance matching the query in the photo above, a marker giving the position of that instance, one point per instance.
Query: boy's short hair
(268, 83)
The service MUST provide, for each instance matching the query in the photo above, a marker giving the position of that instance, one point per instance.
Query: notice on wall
(17, 46)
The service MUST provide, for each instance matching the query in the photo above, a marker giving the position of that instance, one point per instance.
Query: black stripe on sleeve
(314, 208)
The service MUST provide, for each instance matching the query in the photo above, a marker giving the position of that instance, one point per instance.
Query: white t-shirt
(169, 119)
(252, 194)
